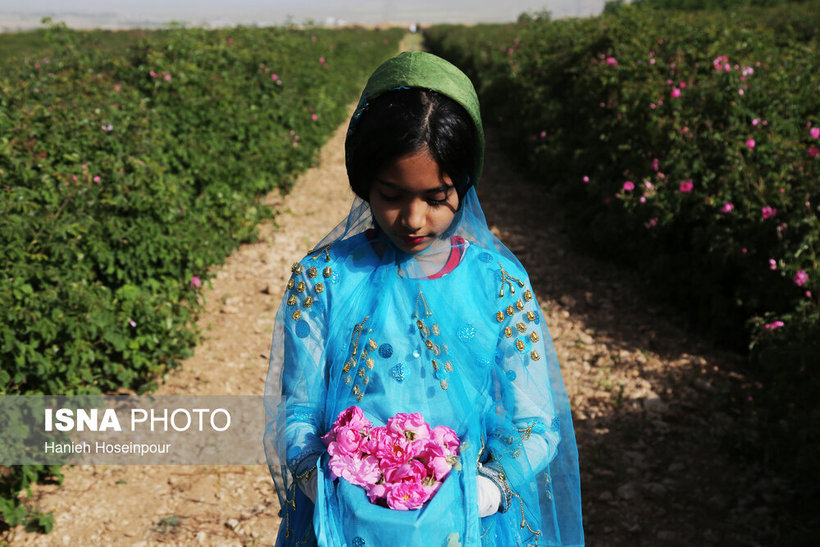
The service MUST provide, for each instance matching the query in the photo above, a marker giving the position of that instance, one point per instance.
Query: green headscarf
(418, 69)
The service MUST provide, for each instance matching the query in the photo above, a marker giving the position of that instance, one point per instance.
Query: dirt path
(651, 402)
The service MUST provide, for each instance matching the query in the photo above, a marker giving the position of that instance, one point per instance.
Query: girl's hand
(489, 497)
(308, 485)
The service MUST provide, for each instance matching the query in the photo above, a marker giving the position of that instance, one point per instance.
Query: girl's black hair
(404, 121)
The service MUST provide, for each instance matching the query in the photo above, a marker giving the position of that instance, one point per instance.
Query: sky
(20, 14)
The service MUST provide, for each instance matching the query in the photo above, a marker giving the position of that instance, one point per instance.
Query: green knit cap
(424, 70)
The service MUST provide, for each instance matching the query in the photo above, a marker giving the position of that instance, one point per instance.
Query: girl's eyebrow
(442, 188)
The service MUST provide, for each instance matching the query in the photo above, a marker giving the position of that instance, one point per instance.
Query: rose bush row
(131, 163)
(687, 146)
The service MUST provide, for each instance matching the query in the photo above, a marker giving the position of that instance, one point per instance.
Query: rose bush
(684, 145)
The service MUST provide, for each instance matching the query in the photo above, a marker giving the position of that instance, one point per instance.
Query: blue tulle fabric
(363, 323)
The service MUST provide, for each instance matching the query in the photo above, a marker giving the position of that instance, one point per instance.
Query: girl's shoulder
(493, 263)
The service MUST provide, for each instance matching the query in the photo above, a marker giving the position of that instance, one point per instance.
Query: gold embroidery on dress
(308, 302)
(507, 279)
(292, 300)
(323, 249)
(300, 287)
(327, 272)
(519, 305)
(507, 332)
(527, 295)
(357, 332)
(319, 287)
(291, 283)
(296, 315)
(531, 316)
(535, 356)
(312, 272)
(500, 316)
(422, 309)
(534, 336)
(521, 327)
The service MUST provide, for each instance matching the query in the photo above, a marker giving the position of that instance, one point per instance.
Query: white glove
(489, 497)
(308, 486)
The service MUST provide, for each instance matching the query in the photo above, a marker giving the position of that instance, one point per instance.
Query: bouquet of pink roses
(401, 465)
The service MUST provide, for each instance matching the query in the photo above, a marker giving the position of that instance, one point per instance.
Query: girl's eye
(437, 202)
(389, 197)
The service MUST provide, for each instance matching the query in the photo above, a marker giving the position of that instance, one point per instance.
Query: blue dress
(457, 336)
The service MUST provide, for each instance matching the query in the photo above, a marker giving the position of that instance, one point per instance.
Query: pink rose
(768, 212)
(750, 143)
(412, 471)
(436, 459)
(815, 132)
(446, 437)
(348, 442)
(800, 278)
(675, 93)
(362, 472)
(392, 450)
(629, 186)
(409, 426)
(686, 186)
(377, 492)
(351, 418)
(405, 496)
(728, 207)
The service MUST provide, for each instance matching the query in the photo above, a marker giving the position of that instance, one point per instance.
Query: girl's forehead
(417, 173)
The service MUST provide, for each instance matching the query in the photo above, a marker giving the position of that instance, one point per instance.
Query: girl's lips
(412, 240)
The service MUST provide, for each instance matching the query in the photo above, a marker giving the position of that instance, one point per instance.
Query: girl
(411, 316)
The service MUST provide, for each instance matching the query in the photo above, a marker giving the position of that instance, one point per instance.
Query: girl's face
(413, 202)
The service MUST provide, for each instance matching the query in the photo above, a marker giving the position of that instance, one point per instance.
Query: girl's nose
(413, 214)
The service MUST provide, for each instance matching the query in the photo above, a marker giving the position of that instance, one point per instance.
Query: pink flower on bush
(772, 264)
(755, 121)
(815, 132)
(800, 278)
(675, 93)
(585, 179)
(774, 325)
(629, 186)
(728, 207)
(768, 212)
(97, 179)
(687, 186)
(651, 223)
(750, 143)
(611, 61)
(167, 77)
(314, 117)
(814, 152)
(195, 282)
